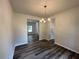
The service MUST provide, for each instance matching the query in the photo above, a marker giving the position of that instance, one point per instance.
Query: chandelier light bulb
(49, 19)
(41, 21)
(44, 21)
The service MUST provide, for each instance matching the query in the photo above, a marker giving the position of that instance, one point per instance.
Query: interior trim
(67, 48)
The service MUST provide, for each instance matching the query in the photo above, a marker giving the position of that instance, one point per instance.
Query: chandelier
(45, 18)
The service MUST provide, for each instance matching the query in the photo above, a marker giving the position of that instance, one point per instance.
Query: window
(29, 28)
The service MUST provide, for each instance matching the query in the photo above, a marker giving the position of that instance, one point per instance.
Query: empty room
(39, 29)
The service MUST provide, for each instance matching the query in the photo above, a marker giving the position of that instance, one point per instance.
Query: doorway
(33, 31)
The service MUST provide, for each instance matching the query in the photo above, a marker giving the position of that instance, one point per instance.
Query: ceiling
(35, 7)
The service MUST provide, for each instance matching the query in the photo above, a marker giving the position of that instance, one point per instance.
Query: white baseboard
(67, 48)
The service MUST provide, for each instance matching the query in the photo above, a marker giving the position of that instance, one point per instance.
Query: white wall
(44, 31)
(51, 28)
(67, 29)
(6, 42)
(20, 28)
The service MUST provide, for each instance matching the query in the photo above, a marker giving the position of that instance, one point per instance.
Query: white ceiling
(35, 7)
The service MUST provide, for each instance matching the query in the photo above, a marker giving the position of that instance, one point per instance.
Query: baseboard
(67, 48)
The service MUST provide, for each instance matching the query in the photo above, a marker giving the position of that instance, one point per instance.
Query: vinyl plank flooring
(34, 51)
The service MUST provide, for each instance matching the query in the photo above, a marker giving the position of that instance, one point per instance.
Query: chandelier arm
(45, 19)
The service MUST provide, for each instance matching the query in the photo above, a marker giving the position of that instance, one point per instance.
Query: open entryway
(33, 30)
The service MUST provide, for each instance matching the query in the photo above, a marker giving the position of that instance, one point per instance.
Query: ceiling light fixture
(45, 18)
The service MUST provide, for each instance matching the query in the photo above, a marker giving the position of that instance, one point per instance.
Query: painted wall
(44, 33)
(6, 42)
(51, 29)
(67, 29)
(20, 28)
